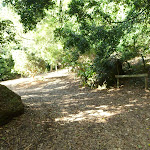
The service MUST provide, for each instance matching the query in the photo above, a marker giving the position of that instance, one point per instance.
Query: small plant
(87, 74)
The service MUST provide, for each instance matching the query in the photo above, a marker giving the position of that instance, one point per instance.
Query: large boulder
(10, 105)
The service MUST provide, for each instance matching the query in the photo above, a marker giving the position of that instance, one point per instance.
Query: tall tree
(31, 11)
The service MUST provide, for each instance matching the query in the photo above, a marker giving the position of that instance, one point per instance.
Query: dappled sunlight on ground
(60, 114)
(38, 78)
(89, 115)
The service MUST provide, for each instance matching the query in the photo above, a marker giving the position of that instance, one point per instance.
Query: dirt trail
(62, 115)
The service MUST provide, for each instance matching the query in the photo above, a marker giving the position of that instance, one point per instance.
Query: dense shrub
(95, 71)
(28, 64)
(107, 69)
(100, 73)
(6, 66)
(87, 74)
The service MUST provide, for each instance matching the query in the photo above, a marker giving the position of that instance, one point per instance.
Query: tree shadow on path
(61, 115)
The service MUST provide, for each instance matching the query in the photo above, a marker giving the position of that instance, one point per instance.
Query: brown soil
(62, 115)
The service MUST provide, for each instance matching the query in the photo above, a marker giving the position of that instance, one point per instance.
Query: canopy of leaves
(31, 11)
(100, 24)
(7, 32)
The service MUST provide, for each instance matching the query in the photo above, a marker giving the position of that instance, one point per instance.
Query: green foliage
(6, 65)
(45, 45)
(73, 39)
(107, 28)
(34, 65)
(31, 12)
(70, 57)
(7, 32)
(7, 36)
(28, 64)
(107, 69)
(40, 42)
(87, 74)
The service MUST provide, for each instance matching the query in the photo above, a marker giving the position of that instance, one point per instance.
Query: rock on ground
(10, 105)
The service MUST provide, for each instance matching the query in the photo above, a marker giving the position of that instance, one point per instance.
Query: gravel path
(62, 115)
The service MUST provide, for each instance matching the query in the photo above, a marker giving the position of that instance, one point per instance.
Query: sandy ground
(62, 115)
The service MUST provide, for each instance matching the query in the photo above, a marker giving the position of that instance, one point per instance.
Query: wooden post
(117, 82)
(56, 67)
(146, 83)
(51, 68)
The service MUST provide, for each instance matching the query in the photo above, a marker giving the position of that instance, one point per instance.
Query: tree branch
(132, 18)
